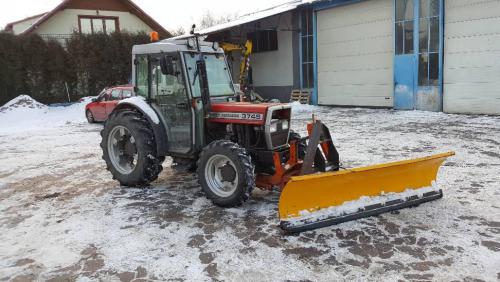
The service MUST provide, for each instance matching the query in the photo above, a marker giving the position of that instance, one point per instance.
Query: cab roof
(173, 45)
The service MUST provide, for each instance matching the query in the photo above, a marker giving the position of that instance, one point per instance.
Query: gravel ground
(63, 218)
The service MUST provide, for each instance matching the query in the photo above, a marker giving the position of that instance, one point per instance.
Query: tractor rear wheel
(129, 149)
(226, 173)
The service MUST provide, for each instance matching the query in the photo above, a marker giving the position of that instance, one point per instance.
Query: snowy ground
(63, 218)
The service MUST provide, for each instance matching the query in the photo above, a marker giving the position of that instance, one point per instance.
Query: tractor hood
(244, 112)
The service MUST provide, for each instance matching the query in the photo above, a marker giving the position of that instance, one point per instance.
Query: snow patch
(24, 113)
(140, 103)
(350, 207)
(298, 108)
(87, 99)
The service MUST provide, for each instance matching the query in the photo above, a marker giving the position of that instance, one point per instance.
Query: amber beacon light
(153, 36)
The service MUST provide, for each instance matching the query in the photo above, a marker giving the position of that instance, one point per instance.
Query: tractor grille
(279, 138)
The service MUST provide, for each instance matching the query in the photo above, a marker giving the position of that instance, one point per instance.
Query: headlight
(273, 127)
(285, 125)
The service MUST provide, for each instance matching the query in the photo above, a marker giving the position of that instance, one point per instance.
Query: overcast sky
(170, 14)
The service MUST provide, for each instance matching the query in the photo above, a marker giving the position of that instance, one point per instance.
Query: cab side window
(141, 74)
(172, 85)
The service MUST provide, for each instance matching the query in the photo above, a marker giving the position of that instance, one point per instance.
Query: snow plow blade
(319, 200)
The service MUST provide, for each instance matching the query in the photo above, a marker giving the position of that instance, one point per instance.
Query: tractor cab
(166, 74)
(189, 85)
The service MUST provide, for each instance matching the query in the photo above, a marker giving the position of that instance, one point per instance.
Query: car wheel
(90, 116)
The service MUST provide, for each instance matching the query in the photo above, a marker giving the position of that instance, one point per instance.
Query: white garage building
(436, 55)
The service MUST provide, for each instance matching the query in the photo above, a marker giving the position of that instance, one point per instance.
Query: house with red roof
(87, 17)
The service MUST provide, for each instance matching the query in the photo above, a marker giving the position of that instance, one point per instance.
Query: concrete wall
(66, 21)
(472, 57)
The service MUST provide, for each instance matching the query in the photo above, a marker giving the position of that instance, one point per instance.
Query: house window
(98, 24)
(428, 57)
(307, 39)
(264, 40)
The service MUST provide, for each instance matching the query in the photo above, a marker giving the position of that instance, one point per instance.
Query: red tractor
(187, 108)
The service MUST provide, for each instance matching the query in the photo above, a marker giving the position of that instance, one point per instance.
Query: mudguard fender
(157, 124)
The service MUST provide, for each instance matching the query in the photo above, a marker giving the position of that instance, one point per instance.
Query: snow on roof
(257, 15)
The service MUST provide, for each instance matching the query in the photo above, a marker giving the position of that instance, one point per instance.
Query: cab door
(170, 95)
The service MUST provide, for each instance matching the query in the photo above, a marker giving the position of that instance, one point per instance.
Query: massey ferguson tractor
(187, 108)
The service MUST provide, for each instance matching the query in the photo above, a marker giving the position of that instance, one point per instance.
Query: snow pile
(359, 205)
(22, 102)
(298, 108)
(23, 113)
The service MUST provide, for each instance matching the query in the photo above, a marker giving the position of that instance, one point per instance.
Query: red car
(100, 107)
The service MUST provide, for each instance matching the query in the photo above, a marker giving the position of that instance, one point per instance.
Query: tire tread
(153, 164)
(248, 170)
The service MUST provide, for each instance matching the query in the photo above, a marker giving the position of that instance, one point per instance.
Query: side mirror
(167, 65)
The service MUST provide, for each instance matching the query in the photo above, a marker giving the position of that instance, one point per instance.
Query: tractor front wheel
(226, 173)
(129, 149)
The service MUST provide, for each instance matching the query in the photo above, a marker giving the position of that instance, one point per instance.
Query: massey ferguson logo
(238, 116)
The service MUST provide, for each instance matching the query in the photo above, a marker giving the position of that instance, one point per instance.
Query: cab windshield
(219, 81)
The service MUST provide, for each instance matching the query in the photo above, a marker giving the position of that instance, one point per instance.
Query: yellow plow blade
(339, 196)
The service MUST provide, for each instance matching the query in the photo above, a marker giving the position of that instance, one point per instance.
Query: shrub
(85, 65)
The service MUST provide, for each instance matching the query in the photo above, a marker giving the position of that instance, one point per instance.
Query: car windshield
(219, 81)
(101, 95)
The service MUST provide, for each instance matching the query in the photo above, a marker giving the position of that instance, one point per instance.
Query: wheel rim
(89, 116)
(221, 175)
(122, 150)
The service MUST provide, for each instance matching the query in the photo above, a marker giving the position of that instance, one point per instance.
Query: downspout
(314, 97)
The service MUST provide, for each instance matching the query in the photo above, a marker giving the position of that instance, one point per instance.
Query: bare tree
(179, 31)
(208, 19)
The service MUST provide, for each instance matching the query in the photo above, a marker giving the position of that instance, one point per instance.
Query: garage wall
(472, 57)
(274, 72)
(355, 54)
(275, 67)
